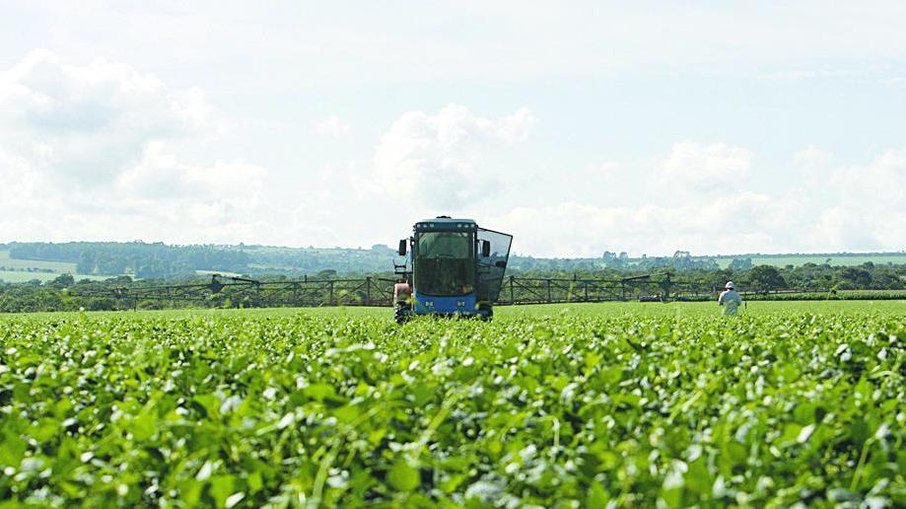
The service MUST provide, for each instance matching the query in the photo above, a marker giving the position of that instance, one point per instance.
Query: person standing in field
(729, 299)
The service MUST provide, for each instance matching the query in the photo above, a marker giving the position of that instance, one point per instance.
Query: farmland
(17, 271)
(631, 405)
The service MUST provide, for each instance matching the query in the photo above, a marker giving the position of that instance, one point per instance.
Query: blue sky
(650, 127)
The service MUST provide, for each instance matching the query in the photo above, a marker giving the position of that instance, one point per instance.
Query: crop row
(282, 410)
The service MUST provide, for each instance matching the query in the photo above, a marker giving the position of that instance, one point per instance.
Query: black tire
(402, 314)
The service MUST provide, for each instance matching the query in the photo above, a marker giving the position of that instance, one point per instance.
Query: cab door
(491, 268)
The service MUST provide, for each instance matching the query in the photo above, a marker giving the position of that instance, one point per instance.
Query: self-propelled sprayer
(455, 268)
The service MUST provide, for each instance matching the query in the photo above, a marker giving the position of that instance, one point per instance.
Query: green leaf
(346, 414)
(255, 481)
(319, 392)
(12, 450)
(210, 404)
(403, 477)
(143, 427)
(697, 478)
(221, 489)
(597, 496)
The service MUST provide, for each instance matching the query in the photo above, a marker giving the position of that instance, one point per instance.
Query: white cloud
(812, 158)
(97, 151)
(695, 168)
(607, 169)
(17, 180)
(440, 160)
(472, 40)
(825, 207)
(869, 205)
(332, 126)
(87, 123)
(747, 222)
(209, 195)
(89, 151)
(896, 81)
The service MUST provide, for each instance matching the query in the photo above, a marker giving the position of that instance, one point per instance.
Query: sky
(579, 127)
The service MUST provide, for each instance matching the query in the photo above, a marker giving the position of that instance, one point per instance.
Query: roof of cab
(446, 223)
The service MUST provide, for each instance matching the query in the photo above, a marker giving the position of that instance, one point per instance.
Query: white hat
(729, 285)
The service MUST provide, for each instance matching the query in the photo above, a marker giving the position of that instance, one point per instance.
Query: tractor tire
(485, 312)
(402, 314)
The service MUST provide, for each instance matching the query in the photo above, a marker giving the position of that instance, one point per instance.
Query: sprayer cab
(457, 268)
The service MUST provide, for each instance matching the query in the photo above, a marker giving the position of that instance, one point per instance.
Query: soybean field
(593, 405)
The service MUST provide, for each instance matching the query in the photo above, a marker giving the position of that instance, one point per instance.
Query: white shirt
(730, 300)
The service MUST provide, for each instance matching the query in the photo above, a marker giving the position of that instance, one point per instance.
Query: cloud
(332, 126)
(91, 151)
(162, 186)
(812, 158)
(747, 222)
(697, 197)
(869, 205)
(17, 180)
(85, 124)
(823, 73)
(824, 207)
(473, 40)
(695, 168)
(440, 160)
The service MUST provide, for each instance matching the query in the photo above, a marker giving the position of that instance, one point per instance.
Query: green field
(22, 277)
(20, 273)
(15, 276)
(58, 267)
(587, 405)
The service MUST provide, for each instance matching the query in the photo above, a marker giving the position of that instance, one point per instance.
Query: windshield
(444, 263)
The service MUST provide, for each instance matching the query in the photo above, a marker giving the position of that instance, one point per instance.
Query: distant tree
(854, 278)
(327, 274)
(741, 264)
(766, 278)
(62, 281)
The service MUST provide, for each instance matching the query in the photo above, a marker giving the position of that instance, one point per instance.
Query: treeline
(140, 259)
(158, 260)
(868, 276)
(864, 281)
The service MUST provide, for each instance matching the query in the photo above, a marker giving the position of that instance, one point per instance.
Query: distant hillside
(44, 261)
(136, 259)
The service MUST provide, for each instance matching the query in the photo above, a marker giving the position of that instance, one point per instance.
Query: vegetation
(807, 282)
(39, 276)
(136, 258)
(157, 260)
(598, 406)
(835, 259)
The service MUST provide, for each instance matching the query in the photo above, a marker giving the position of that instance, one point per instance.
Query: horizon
(579, 128)
(631, 256)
